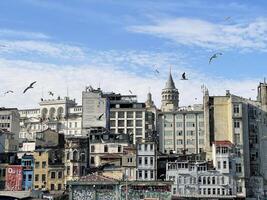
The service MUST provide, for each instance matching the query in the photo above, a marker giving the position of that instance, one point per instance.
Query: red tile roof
(96, 178)
(223, 143)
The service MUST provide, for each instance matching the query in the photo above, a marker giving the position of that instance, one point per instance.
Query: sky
(118, 45)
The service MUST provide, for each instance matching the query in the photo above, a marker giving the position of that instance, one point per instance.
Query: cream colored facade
(48, 176)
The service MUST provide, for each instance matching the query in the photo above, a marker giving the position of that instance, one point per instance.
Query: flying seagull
(214, 56)
(184, 77)
(51, 93)
(29, 87)
(100, 116)
(227, 18)
(130, 91)
(9, 91)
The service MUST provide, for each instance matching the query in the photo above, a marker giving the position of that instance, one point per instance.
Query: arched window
(82, 156)
(75, 155)
(44, 113)
(60, 111)
(52, 112)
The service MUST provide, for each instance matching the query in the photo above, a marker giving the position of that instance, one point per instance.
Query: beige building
(181, 129)
(242, 122)
(76, 157)
(48, 170)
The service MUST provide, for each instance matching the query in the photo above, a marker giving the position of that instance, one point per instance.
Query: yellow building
(49, 169)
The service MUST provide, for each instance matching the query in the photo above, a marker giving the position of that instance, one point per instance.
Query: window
(119, 148)
(236, 124)
(129, 123)
(190, 124)
(139, 123)
(112, 114)
(151, 160)
(219, 165)
(68, 170)
(106, 148)
(120, 114)
(138, 131)
(179, 124)
(130, 114)
(37, 177)
(213, 180)
(224, 164)
(37, 164)
(140, 174)
(146, 161)
(68, 155)
(59, 187)
(70, 125)
(236, 109)
(151, 147)
(44, 164)
(179, 133)
(52, 186)
(112, 123)
(140, 161)
(146, 174)
(53, 175)
(151, 174)
(130, 160)
(120, 123)
(179, 142)
(59, 175)
(145, 147)
(75, 170)
(43, 177)
(139, 147)
(92, 160)
(139, 114)
(238, 168)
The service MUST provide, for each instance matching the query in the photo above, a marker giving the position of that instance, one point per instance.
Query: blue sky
(118, 45)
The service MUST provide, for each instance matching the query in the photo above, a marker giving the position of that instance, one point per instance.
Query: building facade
(27, 163)
(61, 115)
(146, 163)
(181, 129)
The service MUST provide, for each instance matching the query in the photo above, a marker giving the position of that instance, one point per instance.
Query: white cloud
(200, 33)
(44, 48)
(22, 34)
(16, 75)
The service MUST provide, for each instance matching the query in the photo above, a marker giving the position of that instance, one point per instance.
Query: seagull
(100, 116)
(227, 18)
(184, 77)
(51, 93)
(29, 87)
(214, 56)
(9, 91)
(130, 91)
(157, 71)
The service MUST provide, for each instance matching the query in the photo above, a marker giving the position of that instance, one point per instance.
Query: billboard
(14, 177)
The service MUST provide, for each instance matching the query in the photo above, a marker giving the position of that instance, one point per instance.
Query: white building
(200, 180)
(146, 162)
(61, 115)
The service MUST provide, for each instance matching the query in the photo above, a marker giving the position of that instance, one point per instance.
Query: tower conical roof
(170, 84)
